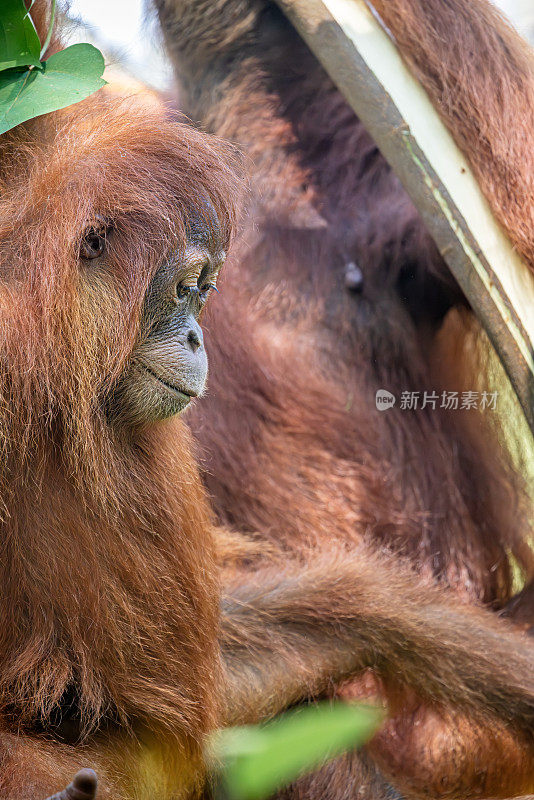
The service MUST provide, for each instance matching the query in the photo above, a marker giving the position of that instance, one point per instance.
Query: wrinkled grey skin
(168, 366)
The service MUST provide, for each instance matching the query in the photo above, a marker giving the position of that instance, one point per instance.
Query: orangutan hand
(83, 787)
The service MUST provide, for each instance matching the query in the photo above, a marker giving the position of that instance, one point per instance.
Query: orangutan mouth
(184, 395)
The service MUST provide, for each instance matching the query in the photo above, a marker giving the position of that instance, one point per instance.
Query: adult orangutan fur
(309, 460)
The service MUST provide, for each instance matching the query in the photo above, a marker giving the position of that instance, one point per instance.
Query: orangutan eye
(182, 290)
(205, 288)
(93, 243)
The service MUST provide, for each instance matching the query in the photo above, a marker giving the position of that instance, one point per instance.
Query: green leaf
(67, 77)
(261, 759)
(19, 42)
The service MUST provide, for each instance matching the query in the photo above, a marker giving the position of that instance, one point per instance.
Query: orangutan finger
(83, 787)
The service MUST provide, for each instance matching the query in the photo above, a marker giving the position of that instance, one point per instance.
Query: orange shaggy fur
(489, 110)
(88, 509)
(309, 460)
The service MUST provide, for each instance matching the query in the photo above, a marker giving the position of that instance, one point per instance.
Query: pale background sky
(121, 29)
(124, 29)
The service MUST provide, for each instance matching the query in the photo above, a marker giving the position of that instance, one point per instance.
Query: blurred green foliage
(259, 759)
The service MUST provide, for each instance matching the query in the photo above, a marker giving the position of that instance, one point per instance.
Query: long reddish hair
(108, 582)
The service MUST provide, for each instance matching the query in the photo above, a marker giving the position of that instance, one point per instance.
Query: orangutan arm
(290, 632)
(479, 74)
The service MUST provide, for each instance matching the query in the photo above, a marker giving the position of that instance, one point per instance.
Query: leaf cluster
(30, 86)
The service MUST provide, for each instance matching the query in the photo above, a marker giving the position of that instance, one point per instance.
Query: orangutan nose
(195, 339)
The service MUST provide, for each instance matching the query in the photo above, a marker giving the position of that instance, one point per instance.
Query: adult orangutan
(336, 291)
(114, 222)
